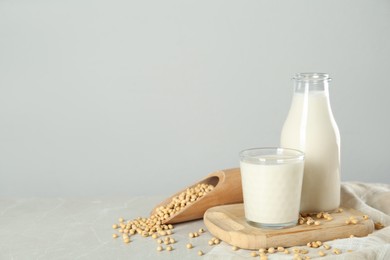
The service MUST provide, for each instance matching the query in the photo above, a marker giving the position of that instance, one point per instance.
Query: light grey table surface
(75, 228)
(36, 228)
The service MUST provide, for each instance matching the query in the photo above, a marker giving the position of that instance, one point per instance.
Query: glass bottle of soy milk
(311, 128)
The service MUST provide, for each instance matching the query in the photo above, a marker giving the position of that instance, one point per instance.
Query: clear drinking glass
(271, 185)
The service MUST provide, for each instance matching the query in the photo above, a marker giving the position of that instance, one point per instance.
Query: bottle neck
(306, 83)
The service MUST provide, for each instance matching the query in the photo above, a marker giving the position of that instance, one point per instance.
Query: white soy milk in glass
(272, 183)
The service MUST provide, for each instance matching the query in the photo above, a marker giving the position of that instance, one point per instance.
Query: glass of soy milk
(271, 185)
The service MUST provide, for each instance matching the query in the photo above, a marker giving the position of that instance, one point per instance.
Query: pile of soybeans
(154, 225)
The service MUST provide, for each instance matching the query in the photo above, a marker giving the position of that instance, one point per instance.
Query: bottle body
(311, 128)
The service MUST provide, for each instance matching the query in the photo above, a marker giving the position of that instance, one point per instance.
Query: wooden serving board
(228, 224)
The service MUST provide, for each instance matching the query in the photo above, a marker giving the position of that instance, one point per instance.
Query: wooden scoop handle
(227, 190)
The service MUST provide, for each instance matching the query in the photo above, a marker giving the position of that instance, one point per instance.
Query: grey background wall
(108, 98)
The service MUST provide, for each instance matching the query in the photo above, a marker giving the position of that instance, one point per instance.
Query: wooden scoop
(227, 190)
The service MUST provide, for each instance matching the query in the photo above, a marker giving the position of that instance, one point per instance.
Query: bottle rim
(311, 77)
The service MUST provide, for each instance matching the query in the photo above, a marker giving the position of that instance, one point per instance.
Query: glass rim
(311, 77)
(271, 155)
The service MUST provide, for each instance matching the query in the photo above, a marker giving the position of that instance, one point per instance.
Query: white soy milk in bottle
(311, 128)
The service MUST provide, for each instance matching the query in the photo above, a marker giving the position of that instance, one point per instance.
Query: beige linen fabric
(373, 200)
